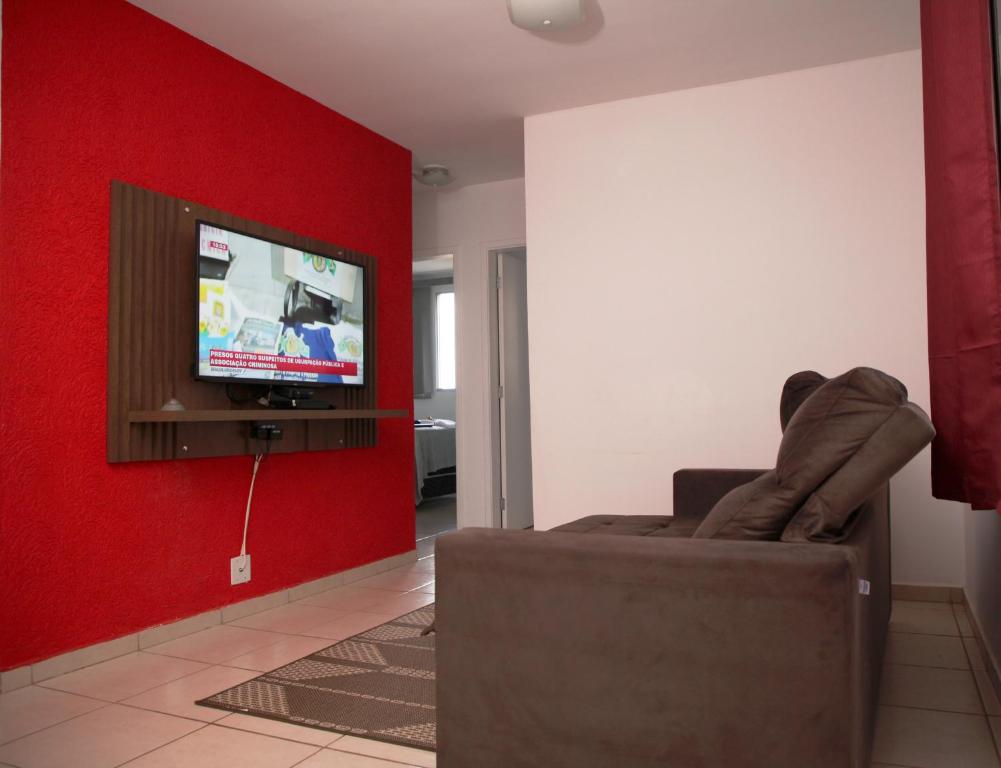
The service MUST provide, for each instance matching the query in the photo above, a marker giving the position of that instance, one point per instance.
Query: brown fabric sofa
(648, 648)
(698, 639)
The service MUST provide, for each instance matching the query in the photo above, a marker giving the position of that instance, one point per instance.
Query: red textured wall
(98, 90)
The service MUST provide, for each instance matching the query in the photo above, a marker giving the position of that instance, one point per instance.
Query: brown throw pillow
(829, 514)
(825, 431)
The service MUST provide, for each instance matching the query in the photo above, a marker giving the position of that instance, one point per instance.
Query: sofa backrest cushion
(830, 513)
(797, 388)
(827, 429)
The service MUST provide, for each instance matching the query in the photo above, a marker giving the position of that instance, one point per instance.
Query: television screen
(269, 313)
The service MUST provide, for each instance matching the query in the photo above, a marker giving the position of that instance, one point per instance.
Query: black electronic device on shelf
(294, 397)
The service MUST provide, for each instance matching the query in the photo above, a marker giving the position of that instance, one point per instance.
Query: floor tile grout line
(202, 724)
(298, 632)
(955, 620)
(882, 703)
(990, 732)
(980, 693)
(398, 593)
(105, 704)
(125, 702)
(223, 663)
(174, 714)
(213, 663)
(333, 640)
(307, 757)
(357, 611)
(926, 666)
(81, 695)
(221, 724)
(395, 591)
(207, 629)
(150, 751)
(137, 649)
(371, 757)
(140, 693)
(232, 622)
(893, 765)
(983, 699)
(922, 634)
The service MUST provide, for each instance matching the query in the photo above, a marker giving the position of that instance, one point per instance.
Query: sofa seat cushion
(632, 525)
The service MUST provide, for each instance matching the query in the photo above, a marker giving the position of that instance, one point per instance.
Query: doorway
(513, 444)
(435, 384)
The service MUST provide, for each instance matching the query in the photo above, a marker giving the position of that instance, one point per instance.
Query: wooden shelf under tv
(263, 414)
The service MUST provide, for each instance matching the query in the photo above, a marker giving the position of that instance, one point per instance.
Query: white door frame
(478, 487)
(425, 254)
(496, 429)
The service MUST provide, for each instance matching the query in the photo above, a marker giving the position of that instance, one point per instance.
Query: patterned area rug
(379, 685)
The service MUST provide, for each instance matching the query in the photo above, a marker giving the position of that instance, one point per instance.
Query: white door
(515, 406)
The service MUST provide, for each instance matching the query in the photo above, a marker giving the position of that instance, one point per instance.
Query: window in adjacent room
(444, 316)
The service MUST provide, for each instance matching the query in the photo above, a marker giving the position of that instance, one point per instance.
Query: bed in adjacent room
(434, 457)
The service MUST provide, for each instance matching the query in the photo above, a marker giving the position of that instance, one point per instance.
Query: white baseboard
(94, 654)
(928, 593)
(990, 676)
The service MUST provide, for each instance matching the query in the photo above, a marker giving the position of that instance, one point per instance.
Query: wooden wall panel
(151, 341)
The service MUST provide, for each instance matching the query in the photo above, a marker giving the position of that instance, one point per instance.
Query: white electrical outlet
(239, 570)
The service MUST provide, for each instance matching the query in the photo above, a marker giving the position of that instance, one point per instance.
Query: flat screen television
(269, 313)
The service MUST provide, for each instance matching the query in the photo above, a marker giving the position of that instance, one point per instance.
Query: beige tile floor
(936, 711)
(138, 710)
(937, 707)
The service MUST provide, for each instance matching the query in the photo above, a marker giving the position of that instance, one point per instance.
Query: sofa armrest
(572, 649)
(696, 491)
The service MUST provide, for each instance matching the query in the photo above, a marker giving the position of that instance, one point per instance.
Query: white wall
(690, 250)
(441, 405)
(468, 222)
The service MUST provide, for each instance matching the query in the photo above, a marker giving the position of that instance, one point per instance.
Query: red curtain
(964, 250)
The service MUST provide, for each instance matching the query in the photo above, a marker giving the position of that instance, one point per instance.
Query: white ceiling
(452, 79)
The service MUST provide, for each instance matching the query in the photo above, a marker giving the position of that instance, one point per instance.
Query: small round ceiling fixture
(434, 175)
(545, 14)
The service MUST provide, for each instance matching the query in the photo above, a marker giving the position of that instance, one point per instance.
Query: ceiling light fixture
(545, 14)
(434, 175)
